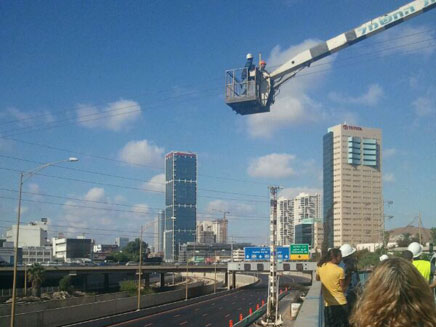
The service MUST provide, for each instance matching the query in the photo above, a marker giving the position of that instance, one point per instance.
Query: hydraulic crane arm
(256, 93)
(370, 28)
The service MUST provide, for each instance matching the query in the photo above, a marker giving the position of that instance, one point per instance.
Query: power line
(131, 187)
(145, 213)
(128, 178)
(300, 75)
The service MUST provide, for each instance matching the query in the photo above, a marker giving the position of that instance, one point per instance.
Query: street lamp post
(23, 175)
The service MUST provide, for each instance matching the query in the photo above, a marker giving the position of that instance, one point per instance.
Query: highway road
(211, 313)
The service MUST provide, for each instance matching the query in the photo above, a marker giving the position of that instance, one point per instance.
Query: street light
(23, 177)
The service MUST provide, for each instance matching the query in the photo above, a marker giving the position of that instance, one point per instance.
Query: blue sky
(119, 84)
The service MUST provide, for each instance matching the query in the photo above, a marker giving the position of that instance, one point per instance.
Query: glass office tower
(180, 201)
(352, 178)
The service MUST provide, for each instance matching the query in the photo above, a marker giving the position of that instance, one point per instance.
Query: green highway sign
(299, 251)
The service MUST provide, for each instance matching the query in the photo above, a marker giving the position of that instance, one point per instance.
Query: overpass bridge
(107, 277)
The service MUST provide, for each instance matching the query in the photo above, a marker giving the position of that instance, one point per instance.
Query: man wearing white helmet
(426, 269)
(349, 264)
(248, 70)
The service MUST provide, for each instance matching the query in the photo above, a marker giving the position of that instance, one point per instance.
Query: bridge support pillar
(146, 280)
(226, 279)
(162, 279)
(106, 282)
(233, 279)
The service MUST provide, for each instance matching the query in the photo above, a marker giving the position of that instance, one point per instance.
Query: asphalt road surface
(211, 313)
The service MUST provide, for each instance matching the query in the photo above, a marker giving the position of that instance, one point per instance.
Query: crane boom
(255, 93)
(362, 32)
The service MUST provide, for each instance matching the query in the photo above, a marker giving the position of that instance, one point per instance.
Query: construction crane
(253, 90)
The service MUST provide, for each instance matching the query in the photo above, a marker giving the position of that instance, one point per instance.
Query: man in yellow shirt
(334, 284)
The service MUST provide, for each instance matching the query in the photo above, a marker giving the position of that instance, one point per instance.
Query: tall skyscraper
(180, 201)
(159, 231)
(307, 213)
(352, 171)
(292, 214)
(285, 221)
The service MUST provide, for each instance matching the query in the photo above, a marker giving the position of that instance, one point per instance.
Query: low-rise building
(37, 254)
(71, 248)
(7, 253)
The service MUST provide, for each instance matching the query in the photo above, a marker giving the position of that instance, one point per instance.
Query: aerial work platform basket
(245, 91)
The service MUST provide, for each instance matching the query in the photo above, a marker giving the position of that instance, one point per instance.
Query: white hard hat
(415, 248)
(346, 250)
(384, 257)
(249, 56)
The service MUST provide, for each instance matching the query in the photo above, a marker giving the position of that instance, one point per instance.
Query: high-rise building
(307, 214)
(159, 231)
(205, 233)
(303, 209)
(352, 171)
(285, 221)
(219, 227)
(180, 201)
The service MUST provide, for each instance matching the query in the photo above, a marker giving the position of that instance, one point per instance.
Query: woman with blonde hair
(396, 295)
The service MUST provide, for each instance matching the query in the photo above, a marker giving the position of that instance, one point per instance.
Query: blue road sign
(282, 253)
(256, 253)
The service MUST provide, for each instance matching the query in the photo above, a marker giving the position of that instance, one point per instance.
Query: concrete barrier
(5, 309)
(311, 313)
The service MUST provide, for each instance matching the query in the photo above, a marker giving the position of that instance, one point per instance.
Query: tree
(433, 234)
(130, 252)
(65, 284)
(36, 276)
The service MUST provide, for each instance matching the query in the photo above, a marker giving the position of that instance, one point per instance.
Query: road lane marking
(183, 323)
(148, 325)
(227, 315)
(177, 315)
(209, 324)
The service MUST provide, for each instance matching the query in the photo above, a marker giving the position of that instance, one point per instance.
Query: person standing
(349, 264)
(426, 269)
(396, 294)
(333, 282)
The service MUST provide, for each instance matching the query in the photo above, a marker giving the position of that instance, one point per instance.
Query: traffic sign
(299, 251)
(263, 253)
(282, 253)
(256, 253)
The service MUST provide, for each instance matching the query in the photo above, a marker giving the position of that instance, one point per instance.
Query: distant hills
(396, 233)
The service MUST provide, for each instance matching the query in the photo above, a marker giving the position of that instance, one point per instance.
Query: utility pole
(272, 317)
(139, 272)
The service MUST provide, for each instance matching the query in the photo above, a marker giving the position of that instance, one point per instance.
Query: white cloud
(26, 119)
(275, 165)
(156, 184)
(103, 211)
(293, 105)
(115, 116)
(388, 153)
(424, 106)
(292, 192)
(142, 153)
(388, 178)
(370, 98)
(140, 210)
(95, 194)
(216, 208)
(407, 39)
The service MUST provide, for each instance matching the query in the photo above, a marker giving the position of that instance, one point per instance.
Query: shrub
(65, 284)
